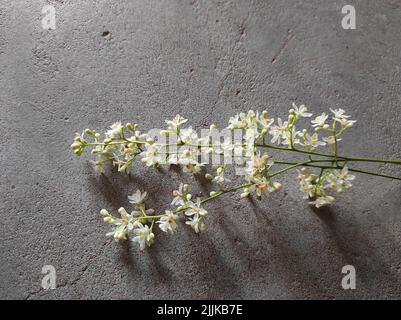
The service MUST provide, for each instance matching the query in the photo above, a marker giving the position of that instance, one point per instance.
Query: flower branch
(320, 174)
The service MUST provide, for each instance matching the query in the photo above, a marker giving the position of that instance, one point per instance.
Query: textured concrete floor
(205, 60)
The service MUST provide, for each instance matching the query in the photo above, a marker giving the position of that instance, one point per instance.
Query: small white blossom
(196, 209)
(278, 131)
(301, 111)
(320, 121)
(341, 180)
(307, 189)
(167, 222)
(342, 118)
(176, 123)
(138, 197)
(235, 123)
(263, 185)
(189, 136)
(143, 235)
(196, 223)
(123, 225)
(115, 130)
(179, 196)
(151, 156)
(322, 201)
(258, 164)
(330, 140)
(313, 140)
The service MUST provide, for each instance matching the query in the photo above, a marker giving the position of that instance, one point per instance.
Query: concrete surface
(205, 60)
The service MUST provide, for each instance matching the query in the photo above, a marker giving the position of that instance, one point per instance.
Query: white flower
(339, 113)
(304, 176)
(258, 164)
(122, 227)
(151, 155)
(320, 121)
(313, 140)
(178, 196)
(291, 134)
(322, 201)
(307, 189)
(176, 123)
(342, 118)
(341, 180)
(143, 235)
(188, 135)
(243, 121)
(196, 223)
(330, 140)
(115, 131)
(137, 197)
(263, 185)
(301, 111)
(167, 222)
(196, 209)
(219, 178)
(265, 121)
(224, 148)
(251, 134)
(278, 131)
(344, 175)
(194, 167)
(188, 158)
(235, 123)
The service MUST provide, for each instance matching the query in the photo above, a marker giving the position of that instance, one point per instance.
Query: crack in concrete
(290, 36)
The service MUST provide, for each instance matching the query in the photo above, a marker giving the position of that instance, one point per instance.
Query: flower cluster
(139, 224)
(319, 173)
(314, 186)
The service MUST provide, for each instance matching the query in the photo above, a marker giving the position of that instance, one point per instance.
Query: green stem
(221, 192)
(339, 158)
(290, 168)
(310, 164)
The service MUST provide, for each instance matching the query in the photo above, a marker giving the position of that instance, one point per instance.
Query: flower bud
(185, 188)
(164, 132)
(130, 127)
(122, 212)
(208, 176)
(108, 220)
(76, 145)
(121, 236)
(104, 212)
(213, 193)
(188, 197)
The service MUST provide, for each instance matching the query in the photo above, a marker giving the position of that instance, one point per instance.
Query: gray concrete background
(206, 60)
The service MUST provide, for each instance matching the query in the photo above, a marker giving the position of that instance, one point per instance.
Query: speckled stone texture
(206, 60)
